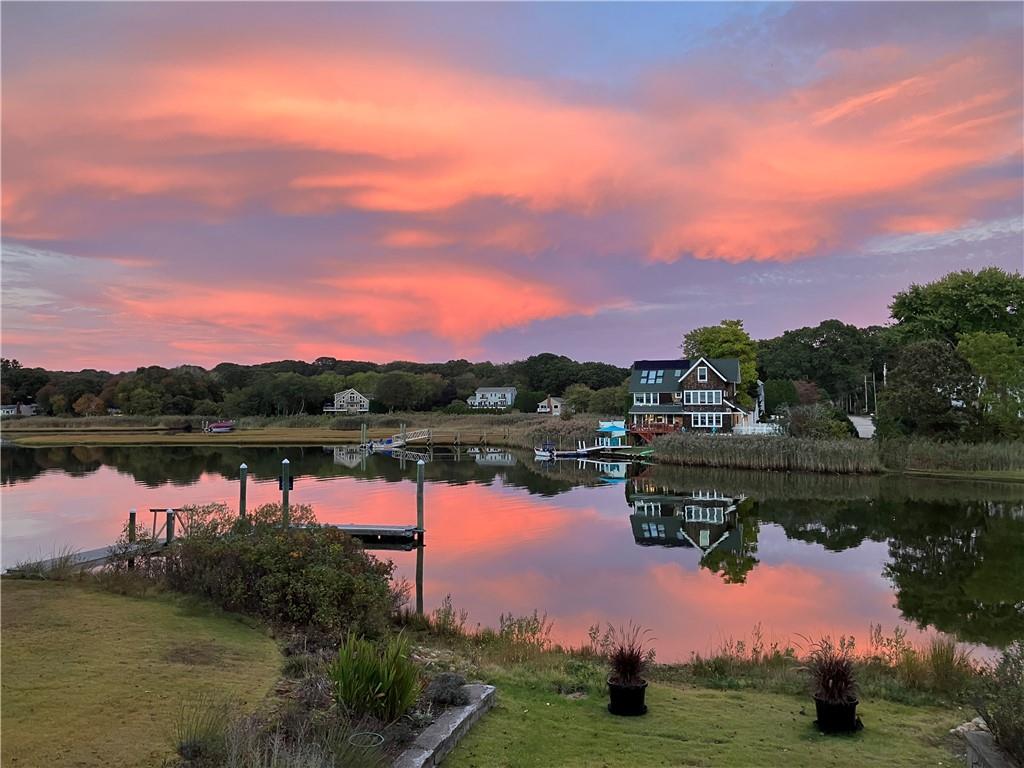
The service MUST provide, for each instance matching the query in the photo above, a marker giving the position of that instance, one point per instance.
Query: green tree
(998, 362)
(578, 397)
(991, 300)
(611, 401)
(834, 355)
(779, 392)
(927, 393)
(727, 339)
(527, 399)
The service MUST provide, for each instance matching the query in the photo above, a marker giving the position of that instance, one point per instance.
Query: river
(698, 556)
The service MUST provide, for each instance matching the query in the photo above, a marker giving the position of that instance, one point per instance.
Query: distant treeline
(950, 366)
(290, 387)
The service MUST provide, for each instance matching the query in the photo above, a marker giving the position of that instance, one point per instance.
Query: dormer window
(702, 373)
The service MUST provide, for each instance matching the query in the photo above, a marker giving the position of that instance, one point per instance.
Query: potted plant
(628, 659)
(834, 687)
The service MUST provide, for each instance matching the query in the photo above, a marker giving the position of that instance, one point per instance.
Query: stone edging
(983, 753)
(440, 738)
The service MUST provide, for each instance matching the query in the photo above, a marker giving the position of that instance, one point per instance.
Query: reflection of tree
(956, 565)
(960, 568)
(734, 565)
(156, 466)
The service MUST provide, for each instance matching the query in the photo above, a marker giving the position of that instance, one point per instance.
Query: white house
(349, 401)
(493, 397)
(551, 406)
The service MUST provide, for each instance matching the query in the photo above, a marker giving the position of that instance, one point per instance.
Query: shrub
(523, 637)
(369, 680)
(447, 689)
(949, 668)
(1002, 705)
(200, 731)
(831, 669)
(628, 658)
(446, 621)
(317, 579)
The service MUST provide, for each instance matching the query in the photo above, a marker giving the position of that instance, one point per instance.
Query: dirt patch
(195, 654)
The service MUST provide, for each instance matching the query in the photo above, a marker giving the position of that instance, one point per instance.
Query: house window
(652, 377)
(653, 530)
(706, 419)
(702, 373)
(645, 398)
(702, 397)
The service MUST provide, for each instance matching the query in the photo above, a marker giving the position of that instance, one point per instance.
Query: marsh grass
(786, 454)
(61, 565)
(930, 455)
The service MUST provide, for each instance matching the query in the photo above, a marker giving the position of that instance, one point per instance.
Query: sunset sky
(247, 182)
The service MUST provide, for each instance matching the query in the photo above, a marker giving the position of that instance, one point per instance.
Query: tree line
(950, 365)
(291, 387)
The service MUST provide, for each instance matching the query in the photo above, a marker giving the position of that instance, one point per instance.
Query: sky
(207, 182)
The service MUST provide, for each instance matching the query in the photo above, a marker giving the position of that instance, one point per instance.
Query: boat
(546, 452)
(220, 427)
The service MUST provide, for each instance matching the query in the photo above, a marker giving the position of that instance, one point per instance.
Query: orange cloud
(773, 178)
(452, 302)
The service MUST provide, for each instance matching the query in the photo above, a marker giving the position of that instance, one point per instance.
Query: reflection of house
(349, 401)
(551, 406)
(611, 434)
(495, 458)
(698, 395)
(703, 519)
(493, 397)
(347, 457)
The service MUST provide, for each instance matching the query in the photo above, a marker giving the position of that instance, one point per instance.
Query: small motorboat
(220, 427)
(546, 452)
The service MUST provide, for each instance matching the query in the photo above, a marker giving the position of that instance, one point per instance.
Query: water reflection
(596, 541)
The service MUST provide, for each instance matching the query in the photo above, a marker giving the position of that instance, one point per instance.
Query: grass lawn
(96, 679)
(533, 726)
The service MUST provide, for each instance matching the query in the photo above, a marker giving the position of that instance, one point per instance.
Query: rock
(977, 724)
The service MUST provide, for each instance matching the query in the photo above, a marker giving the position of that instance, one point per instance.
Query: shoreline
(512, 434)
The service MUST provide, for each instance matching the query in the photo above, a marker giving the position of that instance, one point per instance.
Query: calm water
(699, 556)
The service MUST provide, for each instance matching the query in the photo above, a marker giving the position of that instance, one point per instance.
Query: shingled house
(685, 395)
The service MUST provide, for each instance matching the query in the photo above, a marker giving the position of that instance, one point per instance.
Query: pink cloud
(769, 179)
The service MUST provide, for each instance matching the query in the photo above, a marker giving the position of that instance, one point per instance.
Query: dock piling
(170, 525)
(243, 473)
(131, 535)
(419, 494)
(285, 487)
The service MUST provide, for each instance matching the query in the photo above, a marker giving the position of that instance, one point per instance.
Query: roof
(729, 367)
(493, 389)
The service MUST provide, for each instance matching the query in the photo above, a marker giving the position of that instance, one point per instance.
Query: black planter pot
(837, 718)
(627, 700)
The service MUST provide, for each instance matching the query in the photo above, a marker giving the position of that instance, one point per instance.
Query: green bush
(1003, 703)
(316, 578)
(368, 680)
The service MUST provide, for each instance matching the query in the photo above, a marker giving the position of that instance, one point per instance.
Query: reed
(773, 453)
(930, 455)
